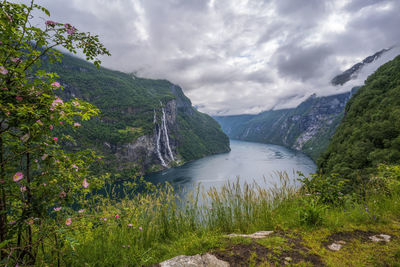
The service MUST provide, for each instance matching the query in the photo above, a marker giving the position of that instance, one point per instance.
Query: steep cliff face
(307, 127)
(145, 125)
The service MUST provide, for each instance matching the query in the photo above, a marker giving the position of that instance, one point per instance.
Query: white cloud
(236, 56)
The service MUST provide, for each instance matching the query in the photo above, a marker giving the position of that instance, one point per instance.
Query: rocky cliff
(307, 127)
(145, 125)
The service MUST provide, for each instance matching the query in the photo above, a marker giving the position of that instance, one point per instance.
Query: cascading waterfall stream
(158, 147)
(164, 124)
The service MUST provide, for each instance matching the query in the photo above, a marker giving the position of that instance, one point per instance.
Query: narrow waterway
(247, 160)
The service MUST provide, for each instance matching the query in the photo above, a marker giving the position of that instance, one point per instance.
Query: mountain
(353, 71)
(145, 125)
(369, 134)
(307, 127)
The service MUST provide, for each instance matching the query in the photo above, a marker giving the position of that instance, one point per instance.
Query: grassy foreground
(152, 227)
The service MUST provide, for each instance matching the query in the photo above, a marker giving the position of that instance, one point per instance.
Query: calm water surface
(247, 160)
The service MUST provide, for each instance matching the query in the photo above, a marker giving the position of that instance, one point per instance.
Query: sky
(239, 56)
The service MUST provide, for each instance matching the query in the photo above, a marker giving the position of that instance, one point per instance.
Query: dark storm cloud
(302, 62)
(238, 56)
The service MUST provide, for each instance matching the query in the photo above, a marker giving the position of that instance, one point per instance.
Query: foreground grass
(149, 228)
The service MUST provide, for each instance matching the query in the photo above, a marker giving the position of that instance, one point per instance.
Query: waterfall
(154, 117)
(158, 147)
(164, 125)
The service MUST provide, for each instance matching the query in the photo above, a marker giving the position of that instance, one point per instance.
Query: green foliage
(370, 131)
(35, 174)
(310, 212)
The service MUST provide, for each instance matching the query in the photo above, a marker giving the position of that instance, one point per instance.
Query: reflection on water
(248, 161)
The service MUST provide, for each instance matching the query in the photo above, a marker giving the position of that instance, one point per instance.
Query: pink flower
(116, 216)
(77, 124)
(39, 122)
(12, 222)
(44, 156)
(62, 194)
(55, 139)
(3, 70)
(76, 104)
(56, 84)
(130, 225)
(51, 23)
(85, 184)
(19, 98)
(22, 189)
(81, 211)
(29, 222)
(104, 219)
(57, 209)
(44, 184)
(51, 127)
(70, 29)
(57, 102)
(61, 122)
(140, 228)
(18, 176)
(68, 221)
(16, 60)
(76, 167)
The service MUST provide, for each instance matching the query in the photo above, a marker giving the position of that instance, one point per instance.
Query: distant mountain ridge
(351, 73)
(307, 128)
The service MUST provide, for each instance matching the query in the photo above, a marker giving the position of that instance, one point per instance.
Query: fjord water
(247, 160)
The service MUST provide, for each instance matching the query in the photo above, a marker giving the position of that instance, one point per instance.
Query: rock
(206, 260)
(380, 238)
(257, 235)
(341, 242)
(335, 246)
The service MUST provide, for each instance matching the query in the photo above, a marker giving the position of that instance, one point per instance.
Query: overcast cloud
(239, 56)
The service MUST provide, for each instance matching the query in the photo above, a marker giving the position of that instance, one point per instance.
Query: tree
(37, 177)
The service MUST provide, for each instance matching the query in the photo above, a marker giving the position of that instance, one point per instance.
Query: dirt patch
(254, 253)
(348, 236)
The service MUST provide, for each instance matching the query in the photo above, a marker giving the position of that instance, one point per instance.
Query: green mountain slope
(370, 131)
(144, 124)
(307, 128)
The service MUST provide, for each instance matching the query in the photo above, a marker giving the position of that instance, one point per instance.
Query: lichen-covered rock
(206, 260)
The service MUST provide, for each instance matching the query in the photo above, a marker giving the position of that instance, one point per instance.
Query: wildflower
(130, 225)
(76, 104)
(140, 228)
(51, 127)
(57, 209)
(12, 222)
(2, 181)
(44, 184)
(104, 219)
(29, 222)
(19, 98)
(68, 221)
(85, 184)
(3, 70)
(22, 189)
(18, 176)
(123, 246)
(61, 122)
(55, 139)
(51, 23)
(55, 84)
(44, 156)
(16, 60)
(25, 137)
(39, 122)
(77, 124)
(81, 211)
(116, 216)
(70, 29)
(76, 167)
(56, 102)
(62, 194)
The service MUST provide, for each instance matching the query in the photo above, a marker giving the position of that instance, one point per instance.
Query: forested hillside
(144, 124)
(370, 131)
